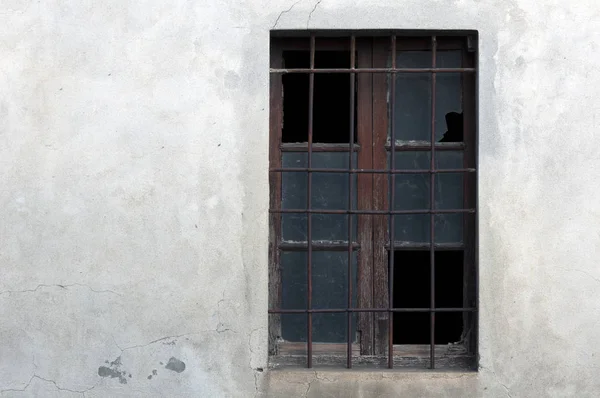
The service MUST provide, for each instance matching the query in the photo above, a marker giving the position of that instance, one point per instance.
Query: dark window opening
(412, 289)
(331, 113)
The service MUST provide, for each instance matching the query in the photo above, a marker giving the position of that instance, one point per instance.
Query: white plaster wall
(134, 195)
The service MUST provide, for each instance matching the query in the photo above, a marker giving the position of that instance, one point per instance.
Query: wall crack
(311, 12)
(40, 286)
(59, 388)
(284, 12)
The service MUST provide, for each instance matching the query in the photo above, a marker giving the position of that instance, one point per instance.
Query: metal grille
(351, 170)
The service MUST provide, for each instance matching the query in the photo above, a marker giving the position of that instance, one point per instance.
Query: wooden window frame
(373, 241)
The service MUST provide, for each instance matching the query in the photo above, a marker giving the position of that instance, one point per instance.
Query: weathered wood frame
(373, 240)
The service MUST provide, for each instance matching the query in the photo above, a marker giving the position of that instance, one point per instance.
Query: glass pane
(449, 228)
(415, 228)
(412, 193)
(412, 110)
(412, 190)
(293, 280)
(448, 59)
(332, 328)
(325, 227)
(329, 191)
(330, 290)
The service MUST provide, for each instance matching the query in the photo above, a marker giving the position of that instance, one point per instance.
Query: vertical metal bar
(350, 195)
(392, 180)
(432, 205)
(311, 93)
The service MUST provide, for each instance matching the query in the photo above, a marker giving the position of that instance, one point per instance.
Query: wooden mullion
(365, 196)
(380, 195)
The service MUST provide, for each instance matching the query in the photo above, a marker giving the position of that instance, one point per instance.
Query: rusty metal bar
(402, 146)
(424, 245)
(333, 246)
(375, 70)
(383, 212)
(392, 185)
(432, 206)
(322, 246)
(369, 171)
(440, 146)
(350, 196)
(339, 310)
(316, 147)
(311, 94)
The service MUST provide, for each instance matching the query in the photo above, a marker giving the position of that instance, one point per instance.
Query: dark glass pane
(329, 191)
(330, 290)
(415, 228)
(332, 328)
(448, 59)
(412, 190)
(412, 193)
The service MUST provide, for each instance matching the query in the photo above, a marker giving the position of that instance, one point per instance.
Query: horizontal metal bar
(303, 147)
(426, 146)
(369, 171)
(382, 212)
(331, 246)
(344, 310)
(404, 146)
(398, 245)
(374, 70)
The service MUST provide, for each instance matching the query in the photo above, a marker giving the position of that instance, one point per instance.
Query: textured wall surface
(134, 195)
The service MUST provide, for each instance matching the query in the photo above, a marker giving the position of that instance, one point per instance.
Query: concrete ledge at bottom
(362, 383)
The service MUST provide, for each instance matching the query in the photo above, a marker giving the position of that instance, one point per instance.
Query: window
(373, 200)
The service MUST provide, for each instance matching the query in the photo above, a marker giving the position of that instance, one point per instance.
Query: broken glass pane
(412, 110)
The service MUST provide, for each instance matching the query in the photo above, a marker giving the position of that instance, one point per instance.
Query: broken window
(372, 201)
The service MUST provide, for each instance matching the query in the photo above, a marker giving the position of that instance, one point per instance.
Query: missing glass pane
(331, 113)
(412, 289)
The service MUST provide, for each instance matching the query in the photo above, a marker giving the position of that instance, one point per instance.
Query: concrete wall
(134, 195)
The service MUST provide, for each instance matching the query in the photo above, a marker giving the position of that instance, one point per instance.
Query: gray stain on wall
(175, 365)
(113, 371)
